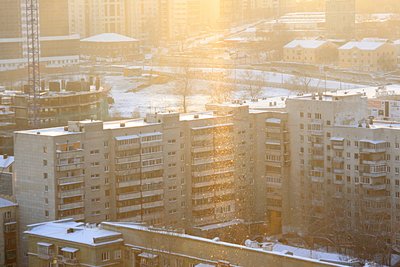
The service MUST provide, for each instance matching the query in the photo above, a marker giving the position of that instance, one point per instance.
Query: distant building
(6, 175)
(310, 52)
(58, 48)
(130, 244)
(8, 233)
(368, 56)
(340, 18)
(109, 47)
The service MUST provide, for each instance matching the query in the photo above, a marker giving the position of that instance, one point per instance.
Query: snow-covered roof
(71, 231)
(273, 120)
(367, 45)
(109, 38)
(6, 162)
(339, 139)
(6, 203)
(312, 254)
(374, 142)
(309, 44)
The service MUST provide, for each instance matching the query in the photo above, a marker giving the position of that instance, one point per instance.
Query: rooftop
(308, 44)
(109, 38)
(6, 203)
(364, 45)
(68, 230)
(6, 161)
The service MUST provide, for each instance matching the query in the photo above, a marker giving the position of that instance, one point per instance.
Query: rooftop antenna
(33, 53)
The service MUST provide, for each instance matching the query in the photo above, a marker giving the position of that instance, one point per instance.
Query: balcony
(129, 208)
(153, 193)
(204, 220)
(127, 159)
(376, 187)
(338, 182)
(317, 179)
(71, 180)
(69, 167)
(202, 195)
(153, 168)
(128, 183)
(377, 197)
(316, 132)
(67, 261)
(338, 195)
(71, 193)
(203, 207)
(153, 205)
(70, 206)
(338, 170)
(338, 159)
(129, 196)
(202, 149)
(337, 146)
(317, 202)
(203, 184)
(199, 161)
(128, 147)
(204, 137)
(225, 192)
(69, 154)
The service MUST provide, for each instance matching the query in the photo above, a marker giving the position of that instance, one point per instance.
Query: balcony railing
(71, 193)
(69, 167)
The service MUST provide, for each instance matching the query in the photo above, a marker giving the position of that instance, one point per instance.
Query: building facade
(340, 18)
(368, 56)
(8, 232)
(310, 52)
(129, 244)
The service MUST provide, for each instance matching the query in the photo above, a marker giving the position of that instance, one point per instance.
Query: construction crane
(33, 54)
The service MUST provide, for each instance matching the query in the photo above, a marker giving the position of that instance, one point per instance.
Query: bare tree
(221, 90)
(254, 84)
(301, 83)
(184, 85)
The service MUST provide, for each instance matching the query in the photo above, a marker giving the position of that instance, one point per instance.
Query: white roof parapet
(109, 38)
(371, 46)
(308, 44)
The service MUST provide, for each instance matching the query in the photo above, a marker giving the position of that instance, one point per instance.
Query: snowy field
(163, 98)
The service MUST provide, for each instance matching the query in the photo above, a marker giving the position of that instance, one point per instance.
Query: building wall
(381, 59)
(340, 18)
(8, 235)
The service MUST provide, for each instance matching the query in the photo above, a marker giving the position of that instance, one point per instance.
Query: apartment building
(130, 244)
(368, 56)
(310, 119)
(347, 170)
(314, 52)
(8, 232)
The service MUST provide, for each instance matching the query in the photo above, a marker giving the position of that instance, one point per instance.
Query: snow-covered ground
(163, 98)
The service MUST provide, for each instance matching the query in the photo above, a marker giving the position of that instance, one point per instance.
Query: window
(45, 175)
(45, 149)
(117, 254)
(44, 162)
(301, 114)
(105, 256)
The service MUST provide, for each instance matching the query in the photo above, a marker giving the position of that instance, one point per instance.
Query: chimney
(5, 156)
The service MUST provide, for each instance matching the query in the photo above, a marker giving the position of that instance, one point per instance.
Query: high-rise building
(340, 18)
(58, 48)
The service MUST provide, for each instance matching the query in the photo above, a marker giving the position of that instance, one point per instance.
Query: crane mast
(33, 54)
